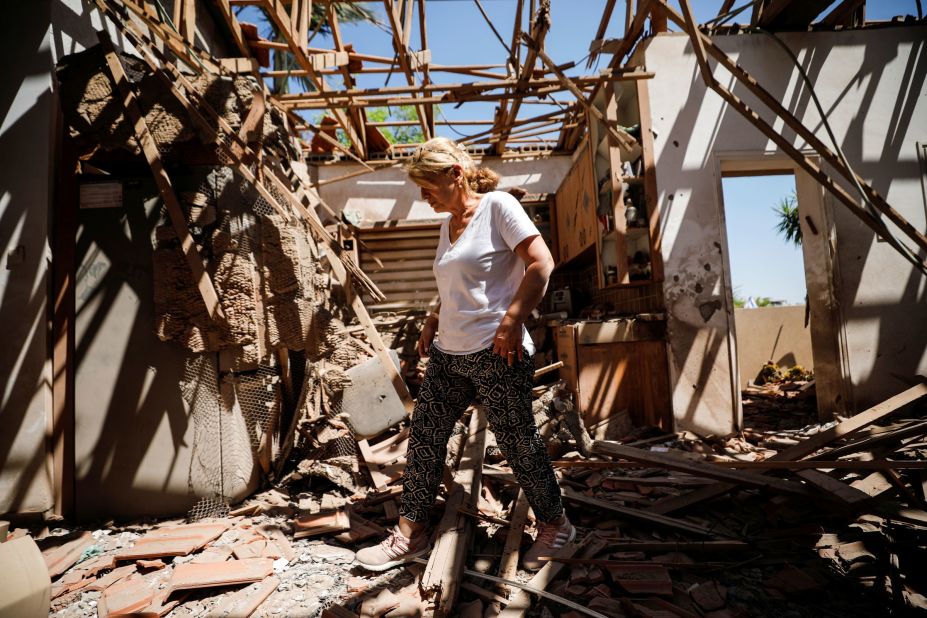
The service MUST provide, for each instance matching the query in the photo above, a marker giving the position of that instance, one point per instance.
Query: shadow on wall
(885, 356)
(132, 427)
(26, 109)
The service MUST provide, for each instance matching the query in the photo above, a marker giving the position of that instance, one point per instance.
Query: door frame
(828, 333)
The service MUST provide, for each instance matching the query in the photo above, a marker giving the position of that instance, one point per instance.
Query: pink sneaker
(392, 551)
(551, 537)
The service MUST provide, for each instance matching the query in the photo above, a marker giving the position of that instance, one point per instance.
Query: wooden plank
(807, 447)
(162, 180)
(918, 429)
(521, 602)
(446, 564)
(698, 468)
(508, 564)
(841, 491)
(636, 514)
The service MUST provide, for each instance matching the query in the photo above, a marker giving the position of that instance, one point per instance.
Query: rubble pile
(669, 524)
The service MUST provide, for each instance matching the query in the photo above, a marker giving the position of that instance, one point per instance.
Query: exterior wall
(872, 85)
(46, 30)
(388, 194)
(26, 141)
(771, 333)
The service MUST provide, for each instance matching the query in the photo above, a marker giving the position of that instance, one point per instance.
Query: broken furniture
(617, 372)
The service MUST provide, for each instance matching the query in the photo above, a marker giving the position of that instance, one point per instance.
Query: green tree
(347, 12)
(397, 135)
(788, 225)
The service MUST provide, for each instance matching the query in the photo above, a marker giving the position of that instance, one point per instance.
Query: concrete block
(370, 402)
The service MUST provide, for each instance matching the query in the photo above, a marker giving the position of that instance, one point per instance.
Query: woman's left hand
(507, 341)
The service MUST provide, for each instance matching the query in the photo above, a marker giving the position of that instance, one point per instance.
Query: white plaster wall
(45, 30)
(872, 85)
(388, 194)
(26, 121)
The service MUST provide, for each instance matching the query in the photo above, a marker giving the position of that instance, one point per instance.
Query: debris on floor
(669, 524)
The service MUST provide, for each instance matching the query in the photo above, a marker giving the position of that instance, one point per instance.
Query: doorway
(781, 283)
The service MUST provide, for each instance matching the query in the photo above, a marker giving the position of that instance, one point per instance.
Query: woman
(492, 268)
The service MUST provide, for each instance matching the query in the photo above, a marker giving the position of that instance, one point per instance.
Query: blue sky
(762, 264)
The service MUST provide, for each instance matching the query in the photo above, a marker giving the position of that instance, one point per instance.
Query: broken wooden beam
(521, 602)
(805, 448)
(700, 468)
(448, 557)
(150, 149)
(637, 514)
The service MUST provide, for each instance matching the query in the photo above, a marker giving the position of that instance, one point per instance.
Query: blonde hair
(438, 155)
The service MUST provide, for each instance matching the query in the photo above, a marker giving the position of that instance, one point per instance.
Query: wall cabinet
(609, 196)
(575, 207)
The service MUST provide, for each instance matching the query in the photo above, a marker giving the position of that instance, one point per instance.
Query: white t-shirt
(479, 274)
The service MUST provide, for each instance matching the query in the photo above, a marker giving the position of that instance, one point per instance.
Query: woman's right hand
(428, 335)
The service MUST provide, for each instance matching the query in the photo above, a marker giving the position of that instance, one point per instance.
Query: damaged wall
(44, 32)
(872, 84)
(388, 194)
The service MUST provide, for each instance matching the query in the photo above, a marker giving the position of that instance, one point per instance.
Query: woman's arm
(428, 331)
(538, 265)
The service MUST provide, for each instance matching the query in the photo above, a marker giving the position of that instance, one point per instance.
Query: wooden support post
(402, 55)
(446, 564)
(425, 68)
(188, 25)
(600, 32)
(163, 181)
(540, 24)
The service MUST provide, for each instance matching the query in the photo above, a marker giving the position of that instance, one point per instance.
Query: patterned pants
(451, 384)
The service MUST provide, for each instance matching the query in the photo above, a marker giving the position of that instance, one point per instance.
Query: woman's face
(441, 190)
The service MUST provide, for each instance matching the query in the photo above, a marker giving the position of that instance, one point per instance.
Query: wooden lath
(540, 24)
(278, 14)
(401, 39)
